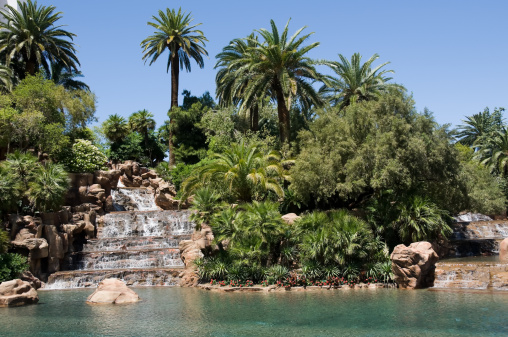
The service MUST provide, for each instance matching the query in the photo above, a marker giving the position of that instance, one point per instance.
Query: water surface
(193, 312)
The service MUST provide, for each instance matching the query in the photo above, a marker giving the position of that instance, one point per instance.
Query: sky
(451, 55)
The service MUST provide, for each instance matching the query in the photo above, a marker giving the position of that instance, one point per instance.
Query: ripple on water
(193, 312)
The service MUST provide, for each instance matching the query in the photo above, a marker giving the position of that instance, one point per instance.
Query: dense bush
(11, 265)
(84, 157)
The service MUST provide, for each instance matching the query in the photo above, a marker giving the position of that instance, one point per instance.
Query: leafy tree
(279, 67)
(48, 188)
(183, 41)
(148, 151)
(32, 35)
(10, 191)
(356, 82)
(480, 125)
(115, 128)
(242, 169)
(5, 241)
(348, 156)
(189, 141)
(206, 100)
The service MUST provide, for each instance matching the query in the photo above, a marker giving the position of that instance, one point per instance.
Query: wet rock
(30, 278)
(112, 291)
(414, 266)
(16, 293)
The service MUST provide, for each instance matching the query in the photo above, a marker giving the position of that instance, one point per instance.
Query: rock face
(503, 251)
(414, 266)
(112, 291)
(16, 293)
(290, 218)
(189, 251)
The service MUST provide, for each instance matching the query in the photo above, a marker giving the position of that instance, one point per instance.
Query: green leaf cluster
(84, 157)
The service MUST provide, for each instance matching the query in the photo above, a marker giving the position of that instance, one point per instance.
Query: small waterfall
(139, 247)
(135, 199)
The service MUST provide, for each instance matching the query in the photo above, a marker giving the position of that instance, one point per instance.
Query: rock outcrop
(414, 266)
(189, 251)
(503, 251)
(112, 291)
(16, 293)
(290, 218)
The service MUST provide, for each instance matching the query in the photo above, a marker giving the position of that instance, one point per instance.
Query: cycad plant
(48, 188)
(205, 204)
(421, 220)
(241, 169)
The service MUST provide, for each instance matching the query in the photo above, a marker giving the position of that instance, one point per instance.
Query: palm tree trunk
(175, 73)
(31, 65)
(283, 112)
(254, 118)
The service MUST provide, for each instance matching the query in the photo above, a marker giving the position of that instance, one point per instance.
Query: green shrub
(84, 157)
(11, 265)
(4, 241)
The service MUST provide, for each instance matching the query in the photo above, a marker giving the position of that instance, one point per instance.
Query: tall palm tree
(31, 36)
(242, 169)
(115, 128)
(175, 33)
(279, 67)
(356, 82)
(66, 77)
(479, 125)
(234, 59)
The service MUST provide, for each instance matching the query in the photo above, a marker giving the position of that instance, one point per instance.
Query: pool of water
(194, 312)
(472, 259)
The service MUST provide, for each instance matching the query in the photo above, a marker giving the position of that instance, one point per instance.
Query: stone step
(133, 277)
(133, 243)
(147, 258)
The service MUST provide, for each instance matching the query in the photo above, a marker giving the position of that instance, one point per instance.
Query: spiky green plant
(47, 190)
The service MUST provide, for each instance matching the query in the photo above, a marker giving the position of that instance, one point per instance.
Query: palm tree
(205, 204)
(243, 169)
(493, 151)
(420, 219)
(30, 35)
(479, 125)
(115, 128)
(356, 82)
(234, 59)
(47, 190)
(142, 122)
(175, 33)
(279, 68)
(65, 77)
(6, 78)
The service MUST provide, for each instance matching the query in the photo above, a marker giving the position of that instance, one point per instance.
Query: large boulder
(112, 291)
(414, 266)
(164, 197)
(503, 251)
(16, 293)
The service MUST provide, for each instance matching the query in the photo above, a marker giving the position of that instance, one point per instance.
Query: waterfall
(138, 246)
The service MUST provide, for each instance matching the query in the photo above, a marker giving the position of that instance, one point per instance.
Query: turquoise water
(193, 312)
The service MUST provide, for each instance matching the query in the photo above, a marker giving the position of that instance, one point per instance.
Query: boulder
(112, 291)
(30, 278)
(56, 248)
(164, 197)
(290, 218)
(16, 293)
(414, 266)
(503, 251)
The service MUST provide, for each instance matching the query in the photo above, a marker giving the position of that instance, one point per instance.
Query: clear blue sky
(452, 55)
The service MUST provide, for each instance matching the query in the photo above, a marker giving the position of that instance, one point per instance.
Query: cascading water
(477, 266)
(139, 247)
